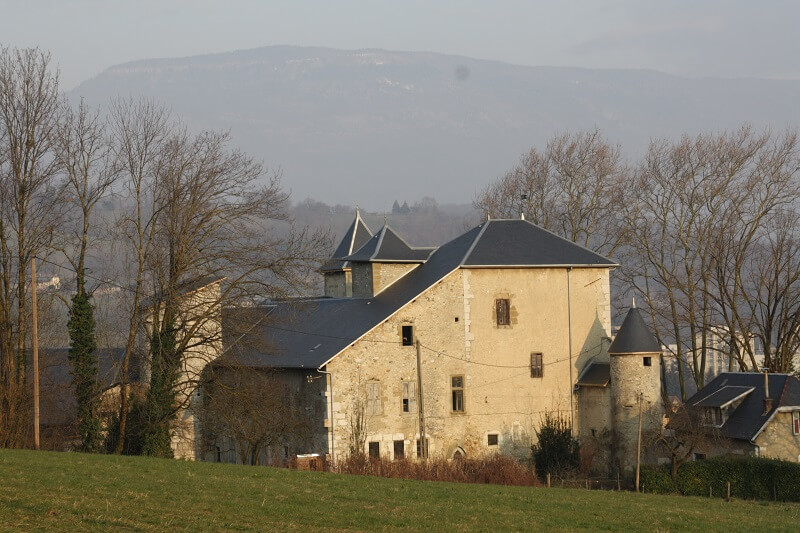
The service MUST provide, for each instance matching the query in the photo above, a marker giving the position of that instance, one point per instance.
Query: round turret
(635, 376)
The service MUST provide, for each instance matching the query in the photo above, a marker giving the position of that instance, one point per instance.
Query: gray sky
(725, 38)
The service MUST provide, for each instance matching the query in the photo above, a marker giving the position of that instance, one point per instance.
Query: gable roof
(310, 333)
(634, 336)
(387, 246)
(354, 238)
(749, 418)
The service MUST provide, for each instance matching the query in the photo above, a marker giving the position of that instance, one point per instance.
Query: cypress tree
(160, 401)
(83, 367)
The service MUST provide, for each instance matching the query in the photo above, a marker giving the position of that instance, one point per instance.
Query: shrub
(557, 452)
(498, 470)
(656, 480)
(750, 478)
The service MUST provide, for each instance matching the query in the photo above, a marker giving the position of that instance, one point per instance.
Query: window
(374, 449)
(219, 454)
(408, 335)
(795, 422)
(374, 398)
(420, 451)
(699, 456)
(503, 308)
(409, 396)
(399, 449)
(537, 368)
(647, 361)
(493, 439)
(457, 389)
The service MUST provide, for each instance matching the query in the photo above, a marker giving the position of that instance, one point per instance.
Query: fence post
(587, 484)
(709, 491)
(729, 491)
(548, 480)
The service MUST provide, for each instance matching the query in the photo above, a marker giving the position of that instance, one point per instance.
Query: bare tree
(253, 409)
(573, 188)
(29, 197)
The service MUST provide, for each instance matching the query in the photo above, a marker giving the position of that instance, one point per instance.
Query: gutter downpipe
(569, 325)
(331, 440)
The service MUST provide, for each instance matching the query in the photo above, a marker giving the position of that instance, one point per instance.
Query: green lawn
(68, 491)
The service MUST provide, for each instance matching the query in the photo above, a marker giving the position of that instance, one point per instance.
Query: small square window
(648, 361)
(493, 439)
(374, 449)
(408, 335)
(399, 449)
(537, 366)
(503, 311)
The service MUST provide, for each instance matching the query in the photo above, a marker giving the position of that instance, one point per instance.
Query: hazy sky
(727, 38)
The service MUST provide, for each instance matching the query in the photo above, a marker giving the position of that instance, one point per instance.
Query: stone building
(750, 413)
(469, 345)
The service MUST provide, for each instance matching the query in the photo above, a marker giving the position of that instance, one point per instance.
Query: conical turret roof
(388, 246)
(634, 336)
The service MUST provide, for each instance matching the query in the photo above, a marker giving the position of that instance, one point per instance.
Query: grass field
(68, 492)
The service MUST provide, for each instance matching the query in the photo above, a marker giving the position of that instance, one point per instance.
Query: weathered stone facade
(777, 440)
(456, 326)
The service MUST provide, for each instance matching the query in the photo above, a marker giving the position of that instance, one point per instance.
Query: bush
(656, 480)
(557, 452)
(497, 470)
(750, 478)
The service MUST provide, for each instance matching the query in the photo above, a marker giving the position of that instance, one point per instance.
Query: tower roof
(634, 336)
(387, 246)
(354, 238)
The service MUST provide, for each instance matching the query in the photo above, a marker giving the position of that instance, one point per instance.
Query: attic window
(503, 308)
(647, 361)
(408, 335)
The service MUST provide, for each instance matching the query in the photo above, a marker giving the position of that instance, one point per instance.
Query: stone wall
(777, 440)
(369, 279)
(338, 284)
(630, 378)
(456, 325)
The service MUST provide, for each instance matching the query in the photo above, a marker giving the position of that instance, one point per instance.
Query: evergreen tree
(83, 363)
(160, 402)
(395, 208)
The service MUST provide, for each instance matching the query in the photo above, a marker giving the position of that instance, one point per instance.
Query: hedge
(751, 478)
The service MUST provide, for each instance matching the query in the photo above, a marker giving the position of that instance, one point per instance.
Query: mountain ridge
(366, 126)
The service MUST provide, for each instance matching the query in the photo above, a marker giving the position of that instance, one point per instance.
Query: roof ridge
(483, 226)
(382, 233)
(783, 392)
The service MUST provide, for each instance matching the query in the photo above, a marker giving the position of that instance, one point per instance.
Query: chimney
(767, 399)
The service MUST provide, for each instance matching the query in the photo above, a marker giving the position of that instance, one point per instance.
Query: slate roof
(595, 375)
(634, 336)
(515, 242)
(354, 238)
(724, 396)
(387, 246)
(749, 418)
(308, 334)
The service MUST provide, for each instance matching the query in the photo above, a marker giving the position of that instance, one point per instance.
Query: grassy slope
(67, 491)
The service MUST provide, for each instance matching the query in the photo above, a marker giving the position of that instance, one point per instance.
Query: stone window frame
(457, 395)
(493, 437)
(401, 444)
(374, 449)
(408, 396)
(423, 453)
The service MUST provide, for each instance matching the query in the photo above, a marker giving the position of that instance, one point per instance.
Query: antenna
(634, 301)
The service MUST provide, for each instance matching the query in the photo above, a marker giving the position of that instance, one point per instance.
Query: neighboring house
(471, 344)
(751, 413)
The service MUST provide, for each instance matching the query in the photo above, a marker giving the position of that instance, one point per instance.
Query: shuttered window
(796, 423)
(409, 396)
(537, 367)
(503, 310)
(457, 389)
(374, 398)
